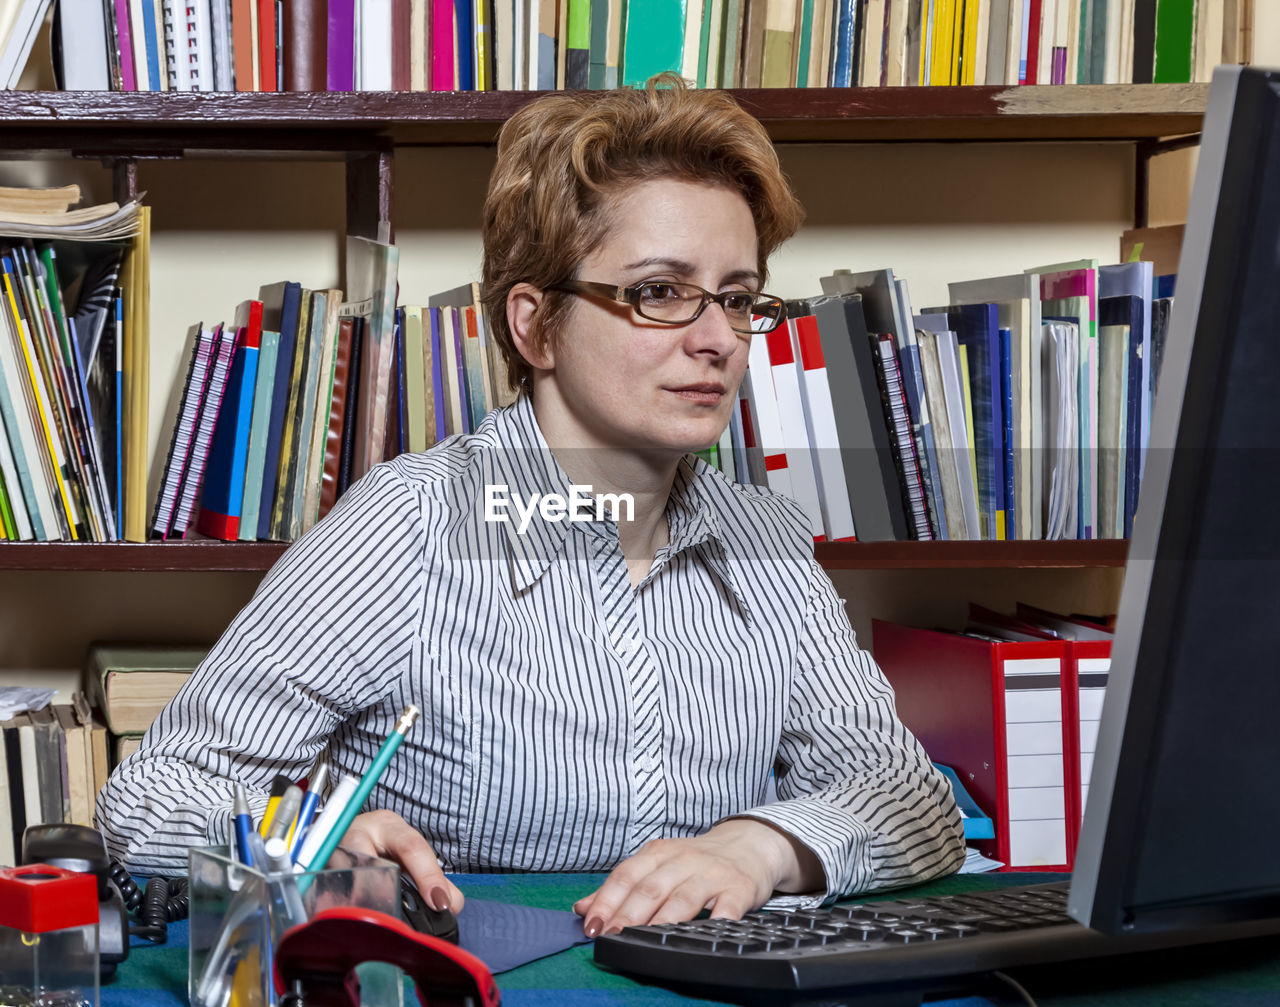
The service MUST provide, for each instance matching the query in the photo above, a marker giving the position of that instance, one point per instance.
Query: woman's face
(630, 383)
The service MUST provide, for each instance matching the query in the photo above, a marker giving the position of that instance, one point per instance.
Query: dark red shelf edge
(250, 557)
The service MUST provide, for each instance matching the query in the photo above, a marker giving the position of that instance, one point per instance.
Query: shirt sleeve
(856, 787)
(324, 639)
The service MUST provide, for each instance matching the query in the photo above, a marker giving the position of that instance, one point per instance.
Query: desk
(1242, 975)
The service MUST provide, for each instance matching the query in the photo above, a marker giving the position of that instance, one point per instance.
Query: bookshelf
(213, 557)
(147, 123)
(190, 590)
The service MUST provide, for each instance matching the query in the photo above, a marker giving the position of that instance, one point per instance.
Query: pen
(323, 825)
(367, 783)
(244, 827)
(309, 805)
(278, 786)
(286, 812)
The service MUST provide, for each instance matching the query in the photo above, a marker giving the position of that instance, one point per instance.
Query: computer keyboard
(882, 953)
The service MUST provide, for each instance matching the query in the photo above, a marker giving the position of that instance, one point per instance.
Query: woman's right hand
(385, 834)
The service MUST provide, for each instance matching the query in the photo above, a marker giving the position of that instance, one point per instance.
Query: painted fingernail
(438, 898)
(593, 926)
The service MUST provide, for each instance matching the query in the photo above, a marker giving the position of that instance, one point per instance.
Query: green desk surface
(1245, 974)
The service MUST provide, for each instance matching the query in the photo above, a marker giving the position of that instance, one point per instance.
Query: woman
(605, 694)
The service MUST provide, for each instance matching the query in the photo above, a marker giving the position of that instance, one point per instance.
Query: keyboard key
(693, 941)
(904, 935)
(649, 934)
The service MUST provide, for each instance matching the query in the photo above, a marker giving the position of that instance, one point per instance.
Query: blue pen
(244, 827)
(309, 805)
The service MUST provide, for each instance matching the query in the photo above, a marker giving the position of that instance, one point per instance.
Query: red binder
(1003, 715)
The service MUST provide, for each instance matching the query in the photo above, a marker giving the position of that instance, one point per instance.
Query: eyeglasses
(681, 303)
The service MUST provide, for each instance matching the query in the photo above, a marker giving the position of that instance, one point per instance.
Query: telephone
(82, 849)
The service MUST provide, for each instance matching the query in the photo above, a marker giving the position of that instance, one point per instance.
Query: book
(885, 304)
(352, 407)
(764, 421)
(15, 48)
(977, 328)
(901, 446)
(259, 433)
(820, 421)
(80, 32)
(130, 685)
(1017, 301)
(338, 404)
(225, 345)
(371, 275)
(281, 306)
(1062, 430)
(340, 31)
(79, 779)
(870, 474)
(805, 489)
(222, 491)
(322, 395)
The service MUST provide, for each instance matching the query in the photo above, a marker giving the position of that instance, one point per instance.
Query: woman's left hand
(730, 870)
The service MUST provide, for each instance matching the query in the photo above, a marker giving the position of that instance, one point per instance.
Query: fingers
(669, 881)
(385, 834)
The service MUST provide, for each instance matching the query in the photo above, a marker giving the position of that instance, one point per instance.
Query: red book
(1034, 8)
(267, 46)
(242, 44)
(1001, 714)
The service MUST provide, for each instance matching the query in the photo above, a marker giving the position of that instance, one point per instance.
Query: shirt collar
(693, 522)
(526, 466)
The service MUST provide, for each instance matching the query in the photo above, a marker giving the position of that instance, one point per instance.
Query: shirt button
(648, 763)
(629, 646)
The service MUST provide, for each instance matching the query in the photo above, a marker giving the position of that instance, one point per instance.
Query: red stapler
(315, 962)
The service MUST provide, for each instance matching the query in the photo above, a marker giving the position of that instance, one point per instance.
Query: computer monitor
(1181, 825)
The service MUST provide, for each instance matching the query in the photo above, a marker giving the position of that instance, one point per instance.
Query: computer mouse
(419, 915)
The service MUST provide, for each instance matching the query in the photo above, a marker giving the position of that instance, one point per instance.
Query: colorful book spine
(222, 492)
(259, 431)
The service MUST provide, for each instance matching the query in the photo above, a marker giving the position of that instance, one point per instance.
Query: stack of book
(68, 437)
(1021, 410)
(281, 410)
(53, 762)
(130, 684)
(482, 45)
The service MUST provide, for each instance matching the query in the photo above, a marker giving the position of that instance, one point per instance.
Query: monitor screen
(1182, 816)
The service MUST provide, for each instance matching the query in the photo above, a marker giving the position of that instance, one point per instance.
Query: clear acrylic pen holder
(238, 915)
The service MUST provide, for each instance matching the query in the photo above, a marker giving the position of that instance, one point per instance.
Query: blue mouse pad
(506, 936)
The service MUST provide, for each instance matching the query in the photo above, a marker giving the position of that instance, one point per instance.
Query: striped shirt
(567, 717)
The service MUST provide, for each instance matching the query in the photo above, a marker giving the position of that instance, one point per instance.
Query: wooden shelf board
(194, 557)
(139, 121)
(955, 555)
(206, 556)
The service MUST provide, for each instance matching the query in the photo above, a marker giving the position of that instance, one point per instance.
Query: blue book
(977, 327)
(1006, 397)
(437, 372)
(1135, 279)
(153, 45)
(222, 492)
(1164, 285)
(289, 297)
(463, 19)
(846, 32)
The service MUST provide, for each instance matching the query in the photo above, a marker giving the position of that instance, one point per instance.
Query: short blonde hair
(562, 158)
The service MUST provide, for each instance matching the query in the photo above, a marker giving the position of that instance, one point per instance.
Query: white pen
(323, 825)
